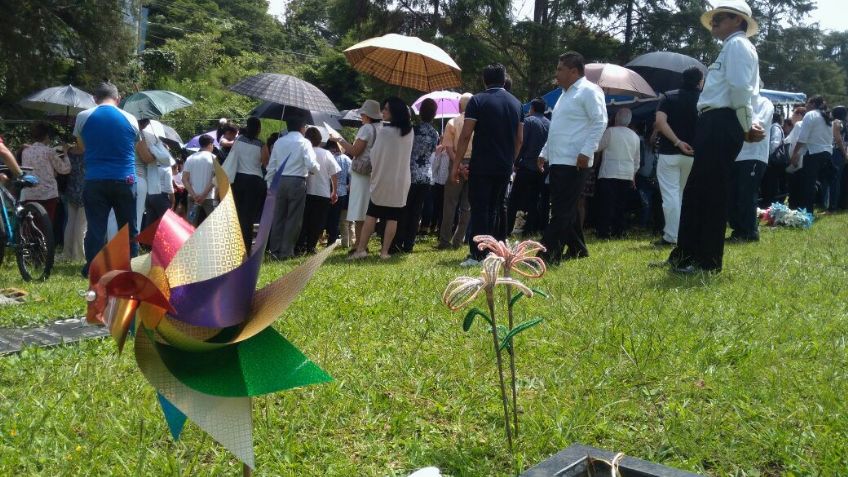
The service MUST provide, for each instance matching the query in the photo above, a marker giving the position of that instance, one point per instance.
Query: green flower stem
(490, 299)
(511, 349)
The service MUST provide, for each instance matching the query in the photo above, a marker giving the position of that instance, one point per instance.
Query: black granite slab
(576, 461)
(71, 330)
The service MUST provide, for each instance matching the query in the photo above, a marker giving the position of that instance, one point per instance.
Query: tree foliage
(199, 47)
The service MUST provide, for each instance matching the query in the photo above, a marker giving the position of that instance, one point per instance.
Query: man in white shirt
(748, 171)
(292, 158)
(725, 122)
(578, 121)
(199, 180)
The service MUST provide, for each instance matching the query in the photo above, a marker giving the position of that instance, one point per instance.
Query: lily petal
(530, 267)
(491, 268)
(461, 291)
(517, 284)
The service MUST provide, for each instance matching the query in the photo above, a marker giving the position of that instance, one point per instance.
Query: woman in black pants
(250, 155)
(816, 137)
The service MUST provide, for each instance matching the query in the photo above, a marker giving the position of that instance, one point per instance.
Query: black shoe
(443, 246)
(663, 243)
(576, 255)
(741, 239)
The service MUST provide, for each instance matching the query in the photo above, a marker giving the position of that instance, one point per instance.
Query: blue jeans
(99, 197)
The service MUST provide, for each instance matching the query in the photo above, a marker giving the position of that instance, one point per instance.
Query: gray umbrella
(351, 118)
(276, 111)
(59, 100)
(285, 90)
(154, 104)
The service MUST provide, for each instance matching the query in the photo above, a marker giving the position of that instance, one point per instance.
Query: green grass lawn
(744, 373)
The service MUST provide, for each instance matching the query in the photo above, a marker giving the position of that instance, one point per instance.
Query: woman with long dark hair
(249, 155)
(425, 142)
(816, 138)
(359, 151)
(390, 176)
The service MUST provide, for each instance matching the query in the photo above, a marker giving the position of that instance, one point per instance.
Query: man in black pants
(529, 180)
(494, 117)
(725, 122)
(577, 124)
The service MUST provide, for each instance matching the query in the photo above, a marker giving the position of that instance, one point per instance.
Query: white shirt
(577, 124)
(622, 150)
(297, 153)
(734, 78)
(247, 154)
(815, 133)
(166, 179)
(201, 172)
(151, 171)
(759, 151)
(792, 140)
(318, 183)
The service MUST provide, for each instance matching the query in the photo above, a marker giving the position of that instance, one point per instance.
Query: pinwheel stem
(511, 349)
(246, 471)
(490, 299)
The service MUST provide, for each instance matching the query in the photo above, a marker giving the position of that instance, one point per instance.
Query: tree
(50, 42)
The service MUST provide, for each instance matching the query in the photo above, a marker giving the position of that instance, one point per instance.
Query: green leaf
(469, 318)
(540, 292)
(518, 296)
(507, 340)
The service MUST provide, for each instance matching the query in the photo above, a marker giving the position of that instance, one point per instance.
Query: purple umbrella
(447, 103)
(194, 143)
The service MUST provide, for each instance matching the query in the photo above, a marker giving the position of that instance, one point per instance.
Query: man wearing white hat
(725, 122)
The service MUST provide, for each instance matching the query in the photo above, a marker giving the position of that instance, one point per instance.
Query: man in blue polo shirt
(108, 138)
(494, 117)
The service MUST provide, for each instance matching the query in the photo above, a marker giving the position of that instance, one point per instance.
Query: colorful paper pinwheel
(203, 335)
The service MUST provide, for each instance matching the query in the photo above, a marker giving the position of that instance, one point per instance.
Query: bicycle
(27, 229)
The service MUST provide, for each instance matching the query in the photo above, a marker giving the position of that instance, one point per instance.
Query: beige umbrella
(614, 79)
(405, 61)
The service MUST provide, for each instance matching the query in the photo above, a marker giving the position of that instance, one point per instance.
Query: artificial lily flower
(463, 290)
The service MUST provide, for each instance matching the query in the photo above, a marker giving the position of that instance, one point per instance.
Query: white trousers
(74, 234)
(672, 172)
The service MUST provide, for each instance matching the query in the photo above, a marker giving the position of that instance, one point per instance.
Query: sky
(829, 14)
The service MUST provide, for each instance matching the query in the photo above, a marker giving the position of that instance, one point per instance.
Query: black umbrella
(271, 110)
(663, 70)
(351, 118)
(285, 90)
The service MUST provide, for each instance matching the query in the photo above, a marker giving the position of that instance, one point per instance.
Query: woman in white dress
(359, 194)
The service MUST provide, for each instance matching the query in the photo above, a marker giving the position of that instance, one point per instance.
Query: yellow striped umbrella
(405, 61)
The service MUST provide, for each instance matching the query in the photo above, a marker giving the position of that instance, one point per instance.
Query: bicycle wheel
(35, 247)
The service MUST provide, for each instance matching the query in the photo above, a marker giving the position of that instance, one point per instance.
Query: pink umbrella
(614, 79)
(447, 103)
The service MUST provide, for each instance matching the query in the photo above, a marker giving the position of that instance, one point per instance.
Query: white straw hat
(736, 7)
(371, 108)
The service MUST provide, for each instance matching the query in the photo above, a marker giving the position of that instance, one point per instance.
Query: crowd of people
(713, 152)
